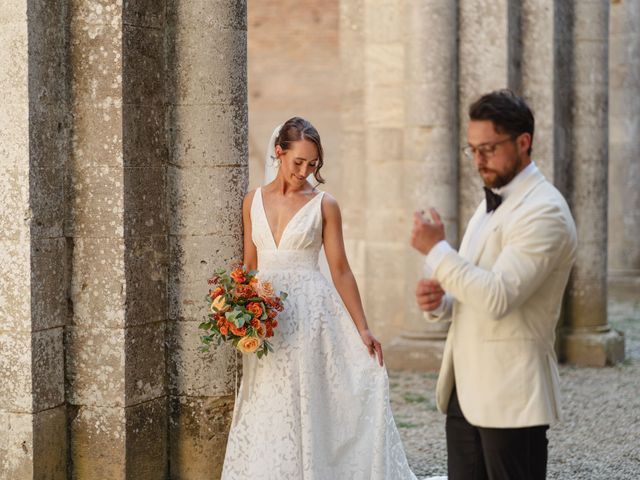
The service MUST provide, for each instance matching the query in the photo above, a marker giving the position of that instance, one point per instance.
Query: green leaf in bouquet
(252, 273)
(205, 325)
(283, 295)
(268, 346)
(231, 315)
(260, 353)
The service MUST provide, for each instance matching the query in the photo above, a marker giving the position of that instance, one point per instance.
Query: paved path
(599, 437)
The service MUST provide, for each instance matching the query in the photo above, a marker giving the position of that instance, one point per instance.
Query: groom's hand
(429, 294)
(426, 233)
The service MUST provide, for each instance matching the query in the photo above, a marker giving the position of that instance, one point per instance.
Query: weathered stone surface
(95, 369)
(146, 440)
(198, 436)
(195, 373)
(98, 282)
(145, 359)
(193, 261)
(15, 368)
(47, 365)
(98, 443)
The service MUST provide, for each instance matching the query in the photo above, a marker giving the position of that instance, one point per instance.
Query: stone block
(144, 143)
(196, 373)
(199, 81)
(220, 14)
(385, 62)
(147, 439)
(95, 367)
(384, 145)
(46, 187)
(15, 371)
(145, 377)
(96, 52)
(98, 282)
(15, 298)
(143, 66)
(192, 261)
(16, 445)
(50, 444)
(592, 349)
(146, 260)
(15, 213)
(98, 443)
(198, 436)
(14, 12)
(14, 60)
(97, 12)
(145, 13)
(383, 21)
(208, 135)
(385, 185)
(201, 200)
(144, 201)
(47, 385)
(98, 205)
(48, 283)
(14, 135)
(97, 135)
(384, 106)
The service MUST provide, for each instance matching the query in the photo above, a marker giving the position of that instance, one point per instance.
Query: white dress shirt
(442, 248)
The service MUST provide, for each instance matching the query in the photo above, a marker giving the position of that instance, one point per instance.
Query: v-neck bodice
(303, 234)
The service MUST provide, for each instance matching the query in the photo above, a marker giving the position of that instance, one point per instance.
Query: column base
(417, 352)
(593, 348)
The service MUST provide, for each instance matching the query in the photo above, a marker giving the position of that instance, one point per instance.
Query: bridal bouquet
(242, 310)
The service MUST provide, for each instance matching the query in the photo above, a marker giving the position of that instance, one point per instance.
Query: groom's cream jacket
(504, 299)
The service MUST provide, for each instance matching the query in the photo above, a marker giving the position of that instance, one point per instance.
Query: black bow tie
(493, 199)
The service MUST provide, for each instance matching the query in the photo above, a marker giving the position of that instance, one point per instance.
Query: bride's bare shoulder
(330, 207)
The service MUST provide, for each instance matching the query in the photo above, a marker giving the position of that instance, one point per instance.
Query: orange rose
(238, 275)
(249, 344)
(224, 330)
(261, 331)
(240, 332)
(216, 293)
(264, 289)
(245, 291)
(255, 323)
(255, 309)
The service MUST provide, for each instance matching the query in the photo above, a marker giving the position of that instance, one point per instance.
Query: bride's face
(298, 162)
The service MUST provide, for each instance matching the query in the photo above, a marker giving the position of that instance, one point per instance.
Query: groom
(503, 290)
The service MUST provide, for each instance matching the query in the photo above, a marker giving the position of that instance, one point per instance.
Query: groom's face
(497, 156)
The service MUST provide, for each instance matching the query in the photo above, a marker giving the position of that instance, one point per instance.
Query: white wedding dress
(317, 408)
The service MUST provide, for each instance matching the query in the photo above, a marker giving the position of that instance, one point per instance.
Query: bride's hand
(373, 345)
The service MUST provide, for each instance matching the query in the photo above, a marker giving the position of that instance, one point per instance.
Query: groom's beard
(501, 179)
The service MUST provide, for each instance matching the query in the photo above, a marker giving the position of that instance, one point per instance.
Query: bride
(317, 408)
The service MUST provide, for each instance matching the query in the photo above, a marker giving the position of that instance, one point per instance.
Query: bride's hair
(296, 129)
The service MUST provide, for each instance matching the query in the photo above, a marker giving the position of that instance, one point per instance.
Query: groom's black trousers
(476, 453)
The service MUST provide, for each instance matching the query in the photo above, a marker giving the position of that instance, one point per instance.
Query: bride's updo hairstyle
(296, 129)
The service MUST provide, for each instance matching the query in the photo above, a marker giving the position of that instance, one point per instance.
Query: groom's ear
(524, 142)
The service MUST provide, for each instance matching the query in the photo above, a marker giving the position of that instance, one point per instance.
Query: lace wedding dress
(317, 408)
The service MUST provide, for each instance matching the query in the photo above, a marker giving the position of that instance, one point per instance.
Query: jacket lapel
(504, 210)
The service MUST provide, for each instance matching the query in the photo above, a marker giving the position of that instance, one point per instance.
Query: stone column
(539, 79)
(353, 145)
(207, 177)
(33, 151)
(624, 149)
(115, 354)
(387, 225)
(430, 160)
(588, 339)
(490, 54)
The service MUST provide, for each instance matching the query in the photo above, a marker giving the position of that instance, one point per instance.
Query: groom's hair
(296, 129)
(508, 112)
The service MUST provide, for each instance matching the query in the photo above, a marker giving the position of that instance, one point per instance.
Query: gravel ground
(599, 437)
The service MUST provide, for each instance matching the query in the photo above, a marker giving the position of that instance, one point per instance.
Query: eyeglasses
(486, 150)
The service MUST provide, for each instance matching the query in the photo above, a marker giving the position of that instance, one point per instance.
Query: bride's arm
(341, 273)
(250, 254)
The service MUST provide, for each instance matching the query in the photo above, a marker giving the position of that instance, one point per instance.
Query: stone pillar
(588, 339)
(539, 79)
(430, 160)
(115, 354)
(388, 222)
(353, 145)
(207, 177)
(490, 55)
(33, 151)
(624, 149)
